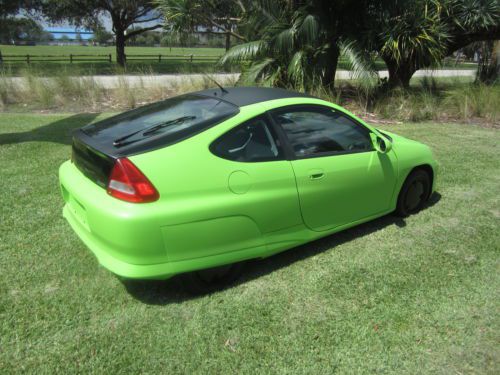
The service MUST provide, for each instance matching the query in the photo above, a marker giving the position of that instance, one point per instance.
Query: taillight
(127, 183)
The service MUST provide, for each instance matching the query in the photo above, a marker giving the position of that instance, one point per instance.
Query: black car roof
(242, 96)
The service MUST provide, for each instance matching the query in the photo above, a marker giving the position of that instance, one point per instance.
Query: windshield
(162, 119)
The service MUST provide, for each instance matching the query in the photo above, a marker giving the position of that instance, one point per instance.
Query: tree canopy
(213, 16)
(295, 43)
(124, 15)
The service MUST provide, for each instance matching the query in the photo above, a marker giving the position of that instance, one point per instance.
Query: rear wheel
(414, 193)
(212, 279)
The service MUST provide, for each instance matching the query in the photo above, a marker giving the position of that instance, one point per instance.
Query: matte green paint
(214, 211)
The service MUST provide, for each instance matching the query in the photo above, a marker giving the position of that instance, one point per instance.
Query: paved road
(175, 80)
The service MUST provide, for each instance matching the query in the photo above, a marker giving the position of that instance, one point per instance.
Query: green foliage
(413, 34)
(431, 100)
(14, 29)
(148, 39)
(102, 36)
(184, 16)
(123, 14)
(297, 46)
(213, 17)
(474, 101)
(413, 31)
(176, 39)
(472, 16)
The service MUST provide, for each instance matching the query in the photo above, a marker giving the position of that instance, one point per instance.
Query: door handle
(317, 176)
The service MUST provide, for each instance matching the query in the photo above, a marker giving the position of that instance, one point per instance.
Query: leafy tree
(9, 25)
(149, 39)
(124, 14)
(20, 29)
(216, 16)
(101, 35)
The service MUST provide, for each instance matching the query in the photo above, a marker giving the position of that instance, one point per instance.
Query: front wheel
(414, 193)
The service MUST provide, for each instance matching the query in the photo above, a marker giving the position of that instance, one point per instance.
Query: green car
(210, 179)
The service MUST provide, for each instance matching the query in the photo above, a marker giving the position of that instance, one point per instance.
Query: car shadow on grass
(154, 292)
(57, 132)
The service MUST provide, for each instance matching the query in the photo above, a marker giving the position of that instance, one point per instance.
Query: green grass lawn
(136, 67)
(66, 50)
(419, 295)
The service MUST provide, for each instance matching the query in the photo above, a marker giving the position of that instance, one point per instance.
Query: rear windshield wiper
(119, 142)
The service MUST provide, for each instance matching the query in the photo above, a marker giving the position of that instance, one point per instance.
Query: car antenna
(218, 84)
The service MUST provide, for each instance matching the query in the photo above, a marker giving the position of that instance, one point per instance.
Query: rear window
(172, 120)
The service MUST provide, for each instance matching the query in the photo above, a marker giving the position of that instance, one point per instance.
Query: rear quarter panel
(200, 215)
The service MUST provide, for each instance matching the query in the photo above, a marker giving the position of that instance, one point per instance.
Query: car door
(340, 177)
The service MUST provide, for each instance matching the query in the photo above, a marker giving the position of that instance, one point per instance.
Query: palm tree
(298, 43)
(414, 34)
(411, 35)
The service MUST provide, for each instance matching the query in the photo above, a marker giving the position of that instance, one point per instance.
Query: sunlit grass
(390, 296)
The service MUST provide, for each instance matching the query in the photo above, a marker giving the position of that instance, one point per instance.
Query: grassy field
(134, 67)
(419, 295)
(104, 67)
(96, 50)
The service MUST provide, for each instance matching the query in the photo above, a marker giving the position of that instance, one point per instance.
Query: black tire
(414, 193)
(212, 279)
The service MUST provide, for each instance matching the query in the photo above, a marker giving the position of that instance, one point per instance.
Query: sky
(69, 31)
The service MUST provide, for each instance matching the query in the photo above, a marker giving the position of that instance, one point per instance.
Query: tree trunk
(228, 41)
(400, 73)
(328, 77)
(489, 63)
(120, 47)
(495, 59)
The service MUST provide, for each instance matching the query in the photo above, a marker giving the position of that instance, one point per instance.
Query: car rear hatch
(93, 163)
(96, 147)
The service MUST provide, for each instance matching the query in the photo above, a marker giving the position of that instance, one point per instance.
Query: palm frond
(358, 61)
(256, 71)
(284, 41)
(242, 52)
(309, 28)
(296, 69)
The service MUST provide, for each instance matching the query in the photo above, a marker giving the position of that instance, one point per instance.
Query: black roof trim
(242, 96)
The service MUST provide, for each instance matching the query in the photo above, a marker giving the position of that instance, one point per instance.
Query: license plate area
(78, 211)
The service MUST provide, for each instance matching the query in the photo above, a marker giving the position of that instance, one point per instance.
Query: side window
(318, 130)
(251, 141)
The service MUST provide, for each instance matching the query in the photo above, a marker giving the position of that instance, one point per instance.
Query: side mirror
(381, 144)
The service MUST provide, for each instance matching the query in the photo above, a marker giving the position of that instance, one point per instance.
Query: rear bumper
(159, 271)
(113, 264)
